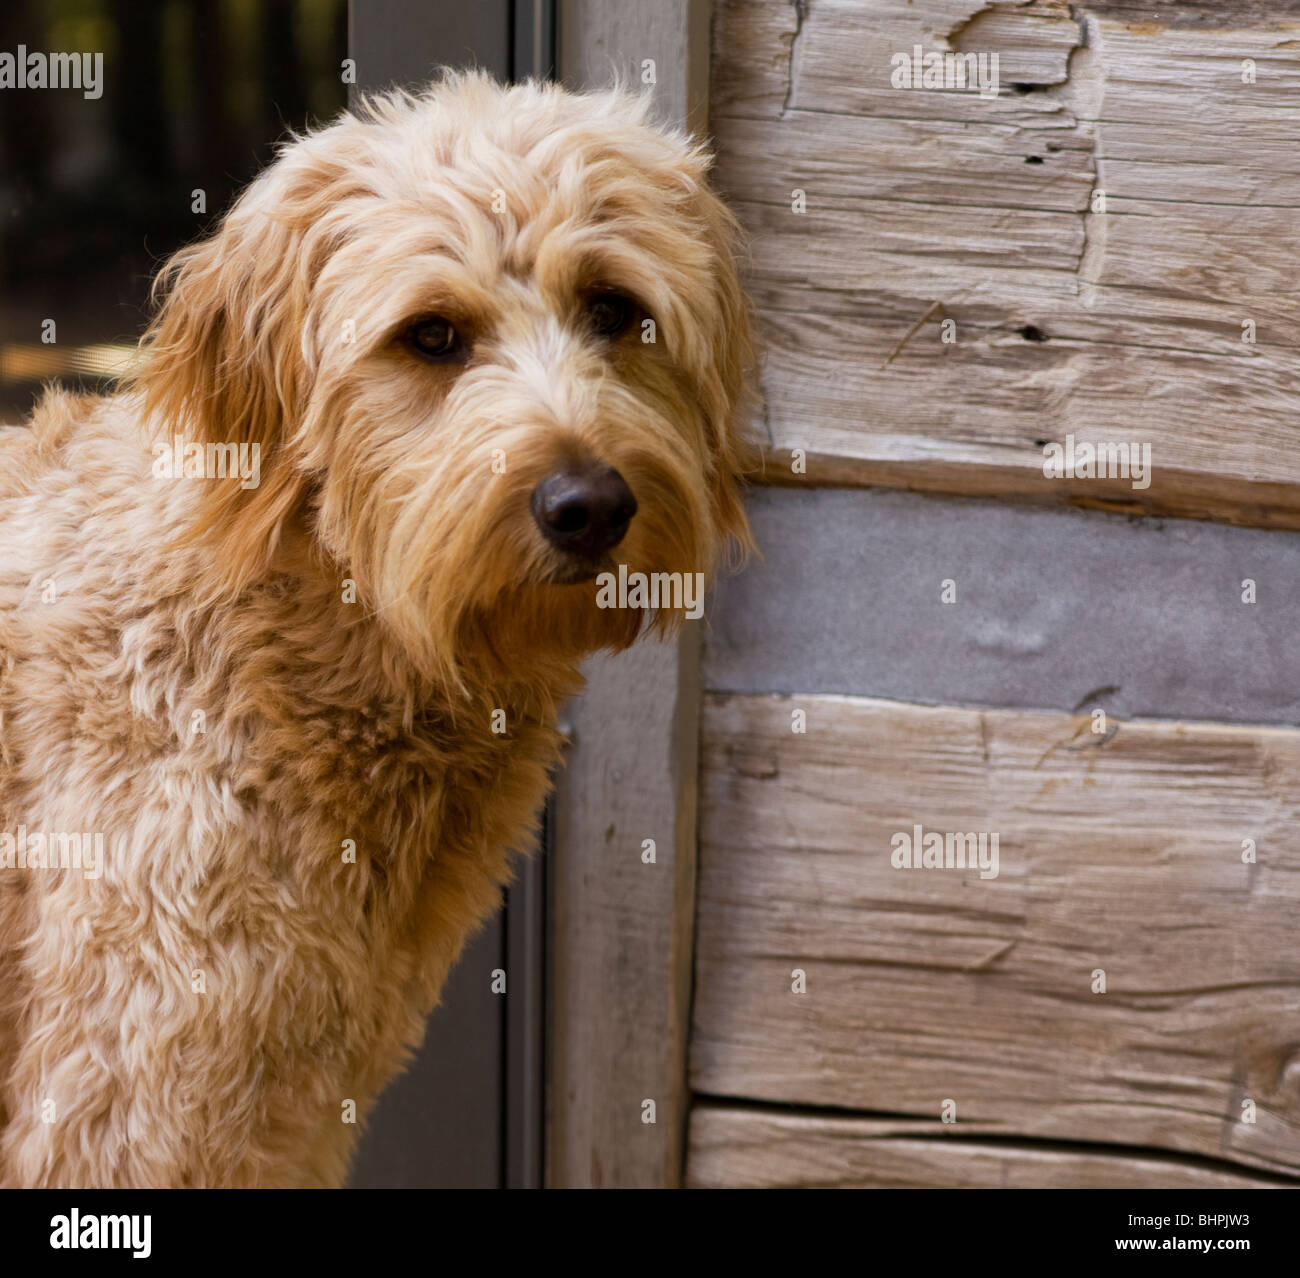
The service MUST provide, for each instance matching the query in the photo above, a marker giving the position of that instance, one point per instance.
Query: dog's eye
(609, 314)
(436, 339)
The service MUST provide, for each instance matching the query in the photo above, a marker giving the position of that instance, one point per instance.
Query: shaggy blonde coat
(313, 718)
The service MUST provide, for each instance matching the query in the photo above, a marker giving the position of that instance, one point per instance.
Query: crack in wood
(882, 1129)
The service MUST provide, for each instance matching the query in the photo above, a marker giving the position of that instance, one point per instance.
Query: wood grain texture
(622, 930)
(734, 1148)
(1120, 852)
(1097, 235)
(601, 40)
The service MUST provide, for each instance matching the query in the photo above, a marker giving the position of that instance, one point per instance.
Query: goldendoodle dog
(284, 623)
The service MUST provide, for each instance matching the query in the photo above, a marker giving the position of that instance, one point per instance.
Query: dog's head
(491, 344)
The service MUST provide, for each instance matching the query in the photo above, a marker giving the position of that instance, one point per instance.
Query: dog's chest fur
(293, 857)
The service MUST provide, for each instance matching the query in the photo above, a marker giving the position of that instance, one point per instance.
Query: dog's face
(491, 343)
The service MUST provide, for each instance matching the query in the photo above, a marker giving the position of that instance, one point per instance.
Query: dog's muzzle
(584, 511)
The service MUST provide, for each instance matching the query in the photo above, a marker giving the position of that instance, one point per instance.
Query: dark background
(95, 194)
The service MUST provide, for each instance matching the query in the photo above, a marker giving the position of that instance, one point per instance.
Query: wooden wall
(1099, 233)
(1119, 856)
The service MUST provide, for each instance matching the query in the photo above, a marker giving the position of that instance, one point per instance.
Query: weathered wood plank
(1215, 15)
(601, 40)
(1206, 458)
(750, 64)
(621, 929)
(1120, 852)
(838, 57)
(918, 161)
(735, 1148)
(1108, 254)
(1034, 44)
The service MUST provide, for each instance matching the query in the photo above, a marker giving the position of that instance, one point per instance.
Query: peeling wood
(1034, 42)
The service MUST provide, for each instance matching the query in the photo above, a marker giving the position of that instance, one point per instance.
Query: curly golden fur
(235, 684)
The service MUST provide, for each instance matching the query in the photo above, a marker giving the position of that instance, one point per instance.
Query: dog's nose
(584, 511)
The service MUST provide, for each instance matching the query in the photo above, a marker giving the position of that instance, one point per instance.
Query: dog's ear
(227, 360)
(729, 390)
